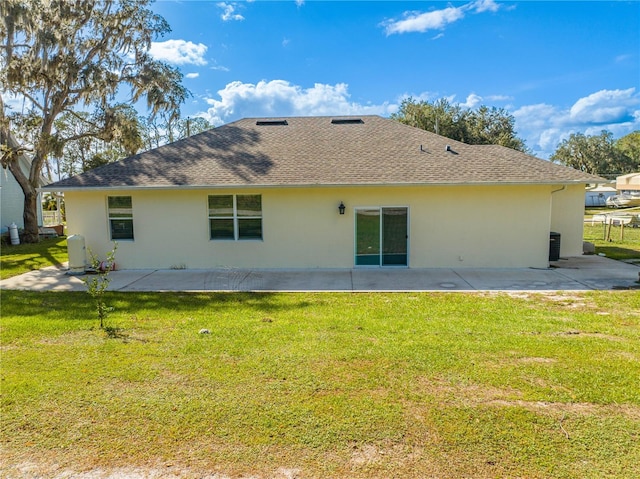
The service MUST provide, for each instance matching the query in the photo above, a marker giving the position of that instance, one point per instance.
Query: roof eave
(316, 185)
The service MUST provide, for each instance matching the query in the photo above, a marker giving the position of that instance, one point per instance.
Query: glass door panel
(381, 236)
(368, 237)
(394, 236)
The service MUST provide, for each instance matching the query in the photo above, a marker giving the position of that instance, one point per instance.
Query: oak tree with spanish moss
(87, 58)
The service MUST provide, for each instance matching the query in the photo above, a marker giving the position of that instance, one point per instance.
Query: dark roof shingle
(317, 151)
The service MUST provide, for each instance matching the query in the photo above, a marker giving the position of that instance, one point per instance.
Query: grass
(323, 385)
(23, 258)
(627, 248)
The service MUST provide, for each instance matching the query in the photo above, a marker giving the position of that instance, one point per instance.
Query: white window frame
(236, 219)
(110, 218)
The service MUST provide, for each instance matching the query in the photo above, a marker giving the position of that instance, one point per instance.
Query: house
(629, 183)
(323, 192)
(12, 197)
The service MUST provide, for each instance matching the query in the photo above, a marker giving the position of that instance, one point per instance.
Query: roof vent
(447, 148)
(346, 121)
(271, 122)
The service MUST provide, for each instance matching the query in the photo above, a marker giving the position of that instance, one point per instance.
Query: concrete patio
(580, 273)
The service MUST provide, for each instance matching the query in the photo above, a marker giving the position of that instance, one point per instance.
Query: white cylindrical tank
(13, 234)
(77, 254)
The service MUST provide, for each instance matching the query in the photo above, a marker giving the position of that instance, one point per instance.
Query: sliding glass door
(381, 236)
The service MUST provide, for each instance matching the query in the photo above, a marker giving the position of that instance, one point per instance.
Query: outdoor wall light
(341, 208)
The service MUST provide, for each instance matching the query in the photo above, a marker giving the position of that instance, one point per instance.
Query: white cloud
(228, 12)
(499, 98)
(549, 140)
(220, 68)
(192, 75)
(605, 106)
(179, 52)
(473, 101)
(436, 19)
(280, 98)
(485, 6)
(545, 126)
(422, 22)
(537, 116)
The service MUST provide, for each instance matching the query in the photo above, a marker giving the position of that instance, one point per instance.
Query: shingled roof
(306, 151)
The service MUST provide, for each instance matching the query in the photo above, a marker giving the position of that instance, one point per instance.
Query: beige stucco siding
(567, 218)
(456, 226)
(486, 227)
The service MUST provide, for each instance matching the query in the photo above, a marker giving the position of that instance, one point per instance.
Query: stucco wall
(12, 202)
(567, 218)
(448, 227)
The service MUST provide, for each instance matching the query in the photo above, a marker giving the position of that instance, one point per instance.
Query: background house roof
(305, 151)
(628, 182)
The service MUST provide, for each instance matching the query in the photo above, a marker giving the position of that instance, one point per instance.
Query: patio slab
(432, 279)
(581, 273)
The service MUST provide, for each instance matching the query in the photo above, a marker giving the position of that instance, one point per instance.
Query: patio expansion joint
(241, 281)
(556, 271)
(463, 280)
(136, 280)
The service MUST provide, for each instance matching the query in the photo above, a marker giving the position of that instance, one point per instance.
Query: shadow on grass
(22, 258)
(79, 306)
(217, 302)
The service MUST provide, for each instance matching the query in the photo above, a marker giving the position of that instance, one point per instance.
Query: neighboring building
(597, 195)
(12, 197)
(322, 192)
(629, 183)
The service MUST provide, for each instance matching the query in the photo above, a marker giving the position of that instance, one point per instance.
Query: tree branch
(31, 99)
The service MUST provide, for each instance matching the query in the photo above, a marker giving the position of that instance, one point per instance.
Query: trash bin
(554, 246)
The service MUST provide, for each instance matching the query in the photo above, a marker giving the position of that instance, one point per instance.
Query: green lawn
(621, 245)
(323, 385)
(23, 258)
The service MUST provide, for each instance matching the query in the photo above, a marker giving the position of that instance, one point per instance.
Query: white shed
(597, 196)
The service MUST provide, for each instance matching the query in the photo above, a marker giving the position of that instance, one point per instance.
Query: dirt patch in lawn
(38, 471)
(478, 395)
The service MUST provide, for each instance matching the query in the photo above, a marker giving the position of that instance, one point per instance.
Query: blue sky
(557, 67)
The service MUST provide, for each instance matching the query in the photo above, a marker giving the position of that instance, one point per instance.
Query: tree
(440, 117)
(74, 56)
(137, 133)
(158, 131)
(493, 126)
(484, 126)
(87, 152)
(629, 145)
(595, 154)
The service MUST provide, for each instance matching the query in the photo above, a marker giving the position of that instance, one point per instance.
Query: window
(120, 217)
(235, 217)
